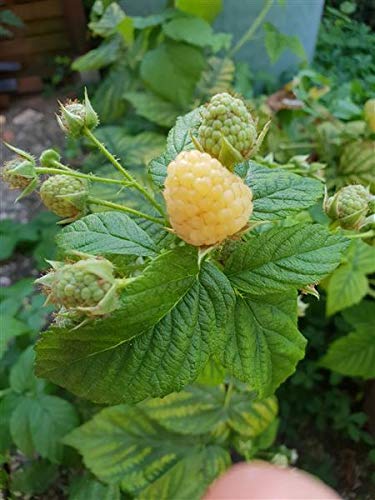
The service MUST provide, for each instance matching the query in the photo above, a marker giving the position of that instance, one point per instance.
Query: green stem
(228, 395)
(122, 208)
(367, 234)
(79, 175)
(248, 35)
(121, 169)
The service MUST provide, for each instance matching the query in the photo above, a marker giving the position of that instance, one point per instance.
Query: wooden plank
(76, 24)
(32, 45)
(38, 10)
(43, 26)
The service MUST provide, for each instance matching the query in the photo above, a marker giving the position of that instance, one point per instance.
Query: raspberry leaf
(179, 139)
(138, 452)
(353, 355)
(172, 71)
(201, 409)
(38, 425)
(348, 284)
(107, 52)
(278, 194)
(154, 108)
(106, 233)
(262, 344)
(157, 342)
(284, 257)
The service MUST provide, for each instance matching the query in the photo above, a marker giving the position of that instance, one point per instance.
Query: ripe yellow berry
(206, 203)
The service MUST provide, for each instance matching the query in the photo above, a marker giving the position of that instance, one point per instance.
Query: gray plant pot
(296, 17)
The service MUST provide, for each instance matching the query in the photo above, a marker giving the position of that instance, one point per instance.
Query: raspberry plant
(180, 310)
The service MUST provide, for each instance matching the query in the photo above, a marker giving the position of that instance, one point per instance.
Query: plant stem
(121, 169)
(122, 208)
(79, 175)
(248, 35)
(228, 395)
(367, 234)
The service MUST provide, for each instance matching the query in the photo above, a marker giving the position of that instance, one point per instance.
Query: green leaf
(212, 374)
(38, 425)
(206, 10)
(87, 487)
(10, 328)
(20, 426)
(189, 478)
(22, 378)
(284, 257)
(133, 150)
(276, 43)
(126, 30)
(262, 345)
(179, 139)
(172, 71)
(348, 284)
(279, 194)
(107, 53)
(173, 317)
(125, 445)
(194, 411)
(157, 342)
(195, 31)
(109, 21)
(200, 410)
(249, 417)
(361, 316)
(11, 19)
(217, 77)
(34, 478)
(153, 107)
(8, 403)
(353, 355)
(108, 100)
(106, 233)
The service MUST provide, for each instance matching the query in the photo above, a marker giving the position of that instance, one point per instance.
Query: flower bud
(49, 157)
(76, 116)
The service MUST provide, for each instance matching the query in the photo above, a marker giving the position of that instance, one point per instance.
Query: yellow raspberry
(206, 203)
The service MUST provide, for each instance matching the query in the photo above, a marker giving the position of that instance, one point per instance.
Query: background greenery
(322, 410)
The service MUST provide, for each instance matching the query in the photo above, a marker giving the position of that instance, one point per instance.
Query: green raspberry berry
(64, 195)
(87, 286)
(14, 180)
(349, 206)
(226, 116)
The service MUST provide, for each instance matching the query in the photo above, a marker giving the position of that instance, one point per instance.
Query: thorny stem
(248, 35)
(122, 208)
(79, 175)
(121, 169)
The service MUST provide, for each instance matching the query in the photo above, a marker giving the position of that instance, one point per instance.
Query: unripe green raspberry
(14, 180)
(64, 195)
(226, 116)
(349, 206)
(88, 285)
(206, 203)
(369, 112)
